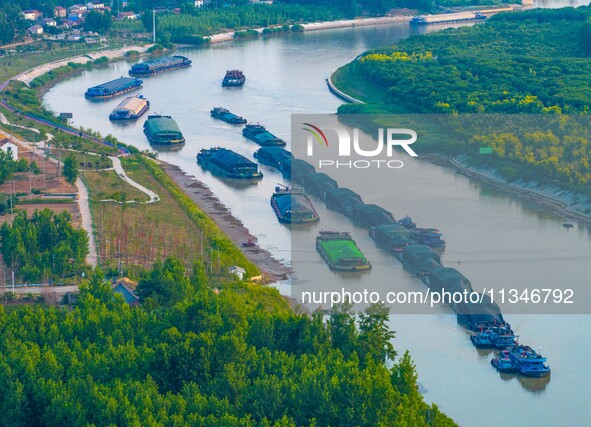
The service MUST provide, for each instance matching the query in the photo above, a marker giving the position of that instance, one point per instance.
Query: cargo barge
(391, 237)
(228, 164)
(262, 136)
(447, 18)
(293, 206)
(163, 130)
(273, 156)
(131, 108)
(226, 116)
(402, 239)
(233, 78)
(113, 88)
(159, 65)
(340, 251)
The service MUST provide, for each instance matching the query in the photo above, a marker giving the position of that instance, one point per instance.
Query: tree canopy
(212, 359)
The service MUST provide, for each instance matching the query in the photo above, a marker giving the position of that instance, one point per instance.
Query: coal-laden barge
(228, 164)
(293, 206)
(418, 251)
(113, 88)
(225, 115)
(262, 136)
(161, 65)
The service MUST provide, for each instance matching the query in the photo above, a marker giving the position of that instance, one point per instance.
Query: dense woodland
(42, 247)
(534, 62)
(222, 358)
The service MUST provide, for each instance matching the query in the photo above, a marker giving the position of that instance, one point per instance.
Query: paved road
(119, 169)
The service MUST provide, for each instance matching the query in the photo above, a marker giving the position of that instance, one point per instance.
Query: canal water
(494, 237)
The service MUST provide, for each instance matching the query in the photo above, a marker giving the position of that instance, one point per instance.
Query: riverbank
(233, 228)
(569, 204)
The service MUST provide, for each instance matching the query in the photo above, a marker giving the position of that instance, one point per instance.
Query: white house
(7, 146)
(50, 22)
(35, 30)
(31, 14)
(95, 4)
(198, 3)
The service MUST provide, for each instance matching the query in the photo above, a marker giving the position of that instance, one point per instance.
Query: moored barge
(160, 65)
(228, 164)
(130, 108)
(113, 88)
(163, 130)
(340, 251)
(293, 206)
(262, 136)
(233, 78)
(226, 116)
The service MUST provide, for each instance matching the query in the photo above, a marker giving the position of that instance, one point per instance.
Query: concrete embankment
(565, 202)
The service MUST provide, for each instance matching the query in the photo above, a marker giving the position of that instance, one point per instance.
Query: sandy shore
(230, 225)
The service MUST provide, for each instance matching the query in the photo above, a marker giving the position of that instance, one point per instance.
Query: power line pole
(154, 25)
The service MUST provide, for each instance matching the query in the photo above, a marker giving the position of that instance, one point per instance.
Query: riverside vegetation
(192, 356)
(533, 62)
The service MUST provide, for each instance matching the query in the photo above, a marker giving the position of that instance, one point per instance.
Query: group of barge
(418, 251)
(160, 130)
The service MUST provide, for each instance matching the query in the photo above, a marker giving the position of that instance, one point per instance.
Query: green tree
(97, 22)
(71, 170)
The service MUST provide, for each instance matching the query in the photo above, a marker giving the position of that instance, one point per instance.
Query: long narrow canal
(494, 236)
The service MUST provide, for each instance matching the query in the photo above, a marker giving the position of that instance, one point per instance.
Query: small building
(32, 14)
(79, 7)
(50, 22)
(128, 294)
(75, 15)
(237, 271)
(127, 15)
(9, 147)
(198, 3)
(35, 30)
(95, 4)
(60, 12)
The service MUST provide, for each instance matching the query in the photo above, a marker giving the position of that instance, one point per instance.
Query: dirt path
(231, 226)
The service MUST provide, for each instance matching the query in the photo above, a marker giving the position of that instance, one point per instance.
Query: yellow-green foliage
(397, 56)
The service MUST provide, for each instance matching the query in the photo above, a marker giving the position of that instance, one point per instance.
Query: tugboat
(340, 251)
(233, 78)
(483, 339)
(262, 136)
(528, 362)
(226, 116)
(407, 222)
(428, 236)
(228, 164)
(293, 206)
(503, 363)
(502, 336)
